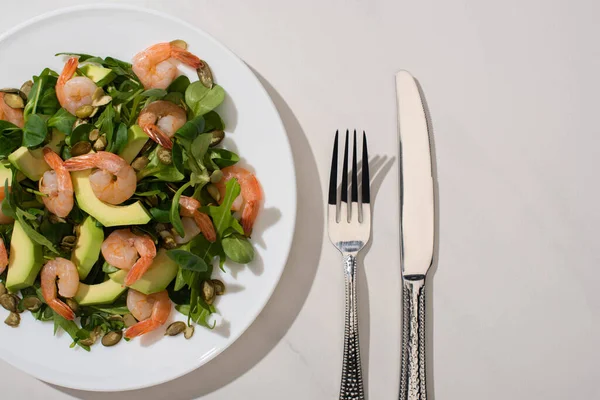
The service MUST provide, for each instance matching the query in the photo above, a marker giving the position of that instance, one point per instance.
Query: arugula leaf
(41, 84)
(63, 121)
(158, 93)
(187, 260)
(120, 139)
(111, 309)
(105, 123)
(22, 217)
(174, 214)
(201, 99)
(221, 214)
(8, 207)
(70, 327)
(177, 156)
(35, 131)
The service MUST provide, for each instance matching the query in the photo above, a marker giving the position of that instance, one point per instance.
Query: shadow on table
(287, 300)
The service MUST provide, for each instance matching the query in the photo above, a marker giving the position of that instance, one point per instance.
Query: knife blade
(417, 233)
(417, 203)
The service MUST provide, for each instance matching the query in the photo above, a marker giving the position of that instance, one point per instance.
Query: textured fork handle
(352, 384)
(412, 378)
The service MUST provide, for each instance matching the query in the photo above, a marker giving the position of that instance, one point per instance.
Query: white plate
(255, 131)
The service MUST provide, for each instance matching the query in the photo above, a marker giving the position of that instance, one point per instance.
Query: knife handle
(412, 378)
(351, 387)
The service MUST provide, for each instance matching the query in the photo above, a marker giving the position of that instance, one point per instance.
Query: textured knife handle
(352, 383)
(412, 379)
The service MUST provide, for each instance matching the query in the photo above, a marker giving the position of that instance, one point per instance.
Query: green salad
(118, 198)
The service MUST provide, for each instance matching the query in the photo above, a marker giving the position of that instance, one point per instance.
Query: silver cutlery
(349, 230)
(417, 232)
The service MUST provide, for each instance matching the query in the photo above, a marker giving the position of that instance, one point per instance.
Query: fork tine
(345, 172)
(366, 192)
(354, 173)
(333, 176)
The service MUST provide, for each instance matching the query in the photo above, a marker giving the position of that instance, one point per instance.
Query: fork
(349, 231)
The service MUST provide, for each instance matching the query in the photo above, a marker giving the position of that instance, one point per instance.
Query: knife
(416, 231)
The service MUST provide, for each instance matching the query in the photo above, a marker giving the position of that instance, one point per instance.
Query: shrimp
(3, 256)
(189, 208)
(12, 115)
(56, 184)
(68, 283)
(190, 230)
(3, 218)
(113, 182)
(74, 92)
(160, 120)
(121, 249)
(249, 200)
(156, 67)
(151, 310)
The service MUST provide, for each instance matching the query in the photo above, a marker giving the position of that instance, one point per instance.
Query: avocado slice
(136, 139)
(5, 173)
(101, 293)
(31, 162)
(25, 260)
(106, 214)
(100, 75)
(162, 271)
(87, 248)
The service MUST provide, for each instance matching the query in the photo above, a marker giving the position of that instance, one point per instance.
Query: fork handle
(412, 378)
(351, 387)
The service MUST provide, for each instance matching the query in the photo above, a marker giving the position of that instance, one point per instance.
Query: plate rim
(288, 240)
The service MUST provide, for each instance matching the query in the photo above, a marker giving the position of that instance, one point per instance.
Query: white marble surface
(512, 87)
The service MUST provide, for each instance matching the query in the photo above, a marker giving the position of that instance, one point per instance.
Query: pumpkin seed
(81, 148)
(175, 328)
(9, 302)
(94, 135)
(219, 287)
(26, 88)
(94, 111)
(140, 163)
(79, 121)
(32, 303)
(189, 332)
(169, 242)
(84, 111)
(101, 143)
(214, 192)
(55, 219)
(208, 291)
(13, 319)
(205, 74)
(179, 43)
(14, 100)
(102, 101)
(164, 156)
(72, 305)
(217, 137)
(111, 338)
(216, 176)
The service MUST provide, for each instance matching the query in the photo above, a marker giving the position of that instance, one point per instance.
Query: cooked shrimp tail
(250, 197)
(3, 256)
(56, 185)
(160, 120)
(151, 310)
(121, 249)
(68, 283)
(189, 208)
(72, 91)
(113, 182)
